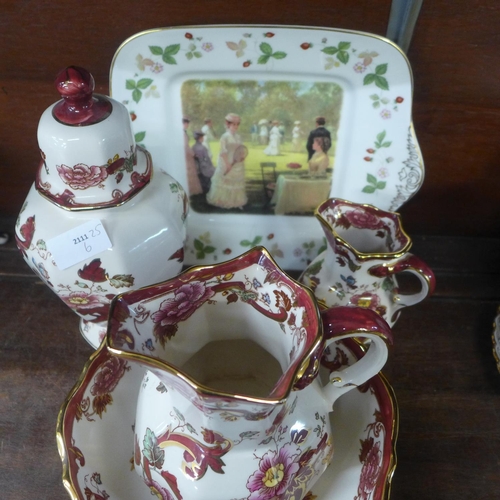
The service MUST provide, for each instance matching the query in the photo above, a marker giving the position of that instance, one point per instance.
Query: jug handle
(414, 265)
(343, 322)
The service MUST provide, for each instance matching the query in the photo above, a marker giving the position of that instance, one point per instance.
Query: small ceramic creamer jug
(231, 405)
(366, 249)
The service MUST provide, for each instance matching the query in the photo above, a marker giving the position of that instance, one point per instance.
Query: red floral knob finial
(79, 106)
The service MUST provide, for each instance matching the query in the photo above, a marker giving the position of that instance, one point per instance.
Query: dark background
(455, 56)
(441, 365)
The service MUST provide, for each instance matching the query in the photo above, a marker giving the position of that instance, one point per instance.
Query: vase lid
(89, 155)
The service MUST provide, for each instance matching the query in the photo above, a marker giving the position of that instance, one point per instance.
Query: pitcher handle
(343, 322)
(416, 266)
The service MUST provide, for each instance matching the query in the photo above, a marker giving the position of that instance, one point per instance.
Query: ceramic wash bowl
(95, 435)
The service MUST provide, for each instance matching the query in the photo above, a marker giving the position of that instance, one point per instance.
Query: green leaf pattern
(375, 184)
(154, 454)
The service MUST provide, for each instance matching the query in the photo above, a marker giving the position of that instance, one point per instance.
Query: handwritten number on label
(95, 232)
(85, 237)
(79, 244)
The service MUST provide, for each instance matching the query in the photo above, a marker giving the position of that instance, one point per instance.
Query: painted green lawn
(256, 156)
(258, 197)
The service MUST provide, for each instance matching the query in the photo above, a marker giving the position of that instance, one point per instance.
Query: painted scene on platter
(259, 147)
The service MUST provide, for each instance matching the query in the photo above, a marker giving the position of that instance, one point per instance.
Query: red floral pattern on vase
(86, 303)
(93, 272)
(27, 231)
(92, 301)
(82, 176)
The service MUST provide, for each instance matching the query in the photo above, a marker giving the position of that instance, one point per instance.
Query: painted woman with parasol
(228, 183)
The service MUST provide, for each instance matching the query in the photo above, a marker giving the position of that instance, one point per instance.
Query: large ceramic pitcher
(366, 249)
(231, 406)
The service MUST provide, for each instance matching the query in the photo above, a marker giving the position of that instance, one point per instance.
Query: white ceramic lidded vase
(99, 219)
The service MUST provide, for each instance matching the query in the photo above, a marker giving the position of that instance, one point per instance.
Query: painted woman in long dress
(296, 137)
(273, 148)
(228, 183)
(209, 136)
(320, 161)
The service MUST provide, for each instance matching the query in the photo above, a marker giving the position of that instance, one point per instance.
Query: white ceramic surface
(95, 435)
(377, 159)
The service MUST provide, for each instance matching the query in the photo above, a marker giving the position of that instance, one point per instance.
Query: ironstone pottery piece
(231, 405)
(366, 249)
(96, 425)
(99, 218)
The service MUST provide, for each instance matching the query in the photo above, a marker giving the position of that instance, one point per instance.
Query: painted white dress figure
(228, 183)
(273, 148)
(209, 135)
(263, 134)
(296, 137)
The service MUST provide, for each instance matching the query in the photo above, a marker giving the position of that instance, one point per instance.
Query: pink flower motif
(108, 377)
(385, 114)
(157, 67)
(276, 471)
(186, 300)
(82, 301)
(158, 491)
(82, 176)
(370, 472)
(383, 172)
(359, 67)
(207, 46)
(367, 300)
(362, 219)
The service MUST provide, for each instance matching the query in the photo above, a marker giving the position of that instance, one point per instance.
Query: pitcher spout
(241, 331)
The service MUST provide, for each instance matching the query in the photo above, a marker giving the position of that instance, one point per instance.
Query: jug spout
(242, 331)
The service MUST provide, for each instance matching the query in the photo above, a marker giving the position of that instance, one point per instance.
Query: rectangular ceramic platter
(361, 83)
